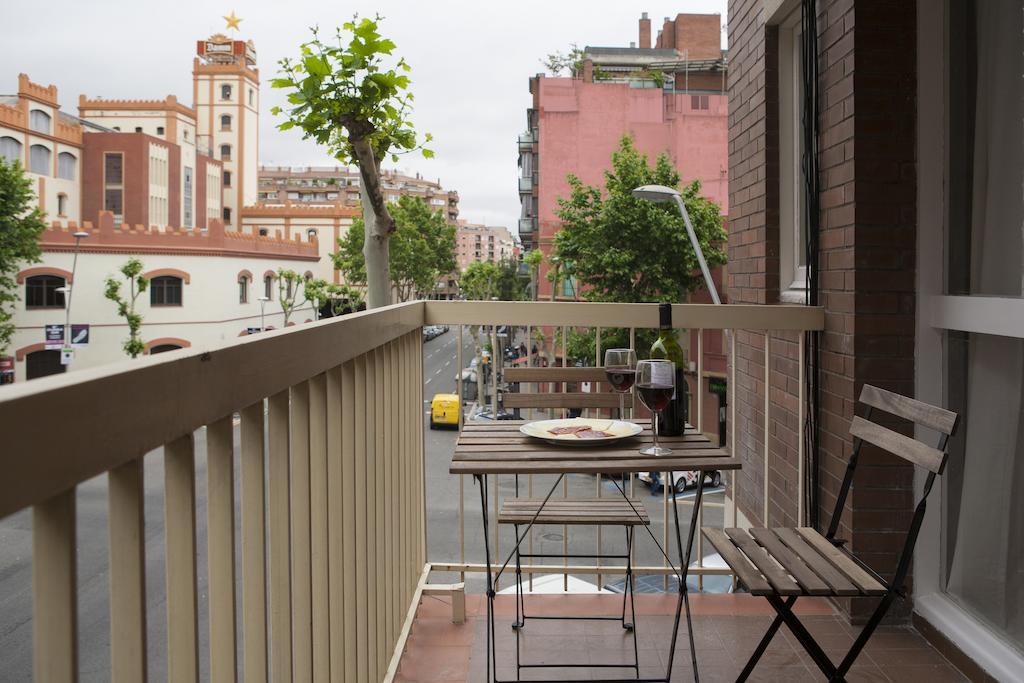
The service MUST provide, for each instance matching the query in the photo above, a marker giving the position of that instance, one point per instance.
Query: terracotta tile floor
(727, 628)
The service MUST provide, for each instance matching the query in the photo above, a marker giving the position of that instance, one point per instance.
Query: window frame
(38, 114)
(792, 213)
(226, 91)
(32, 161)
(243, 290)
(268, 287)
(44, 283)
(223, 156)
(227, 118)
(60, 167)
(161, 284)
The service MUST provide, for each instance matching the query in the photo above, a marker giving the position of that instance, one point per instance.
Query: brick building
(919, 268)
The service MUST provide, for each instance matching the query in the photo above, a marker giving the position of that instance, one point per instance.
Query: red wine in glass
(655, 396)
(621, 379)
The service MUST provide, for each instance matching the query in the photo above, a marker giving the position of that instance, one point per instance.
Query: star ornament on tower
(232, 21)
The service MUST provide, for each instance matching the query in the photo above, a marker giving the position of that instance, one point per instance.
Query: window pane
(10, 149)
(39, 159)
(66, 165)
(113, 169)
(39, 121)
(113, 202)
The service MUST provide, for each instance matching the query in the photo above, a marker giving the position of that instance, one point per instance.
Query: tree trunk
(379, 226)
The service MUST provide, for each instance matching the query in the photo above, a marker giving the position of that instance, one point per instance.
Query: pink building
(666, 101)
(476, 242)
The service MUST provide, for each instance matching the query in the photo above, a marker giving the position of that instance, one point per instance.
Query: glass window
(792, 203)
(112, 169)
(225, 92)
(39, 159)
(227, 214)
(187, 208)
(225, 152)
(159, 130)
(113, 192)
(243, 290)
(39, 121)
(62, 204)
(252, 97)
(41, 292)
(138, 129)
(165, 291)
(67, 165)
(227, 178)
(225, 122)
(268, 286)
(10, 149)
(311, 234)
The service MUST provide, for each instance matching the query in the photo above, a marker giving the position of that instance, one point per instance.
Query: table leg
(492, 654)
(684, 600)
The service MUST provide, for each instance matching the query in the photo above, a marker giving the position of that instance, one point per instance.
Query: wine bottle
(672, 420)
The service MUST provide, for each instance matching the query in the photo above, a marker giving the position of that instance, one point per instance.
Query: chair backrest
(559, 397)
(913, 450)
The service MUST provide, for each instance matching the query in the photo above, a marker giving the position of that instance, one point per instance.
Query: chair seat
(791, 561)
(589, 511)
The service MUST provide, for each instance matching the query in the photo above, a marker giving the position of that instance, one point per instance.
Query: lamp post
(263, 302)
(660, 193)
(79, 236)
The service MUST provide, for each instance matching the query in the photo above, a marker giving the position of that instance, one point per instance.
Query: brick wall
(868, 193)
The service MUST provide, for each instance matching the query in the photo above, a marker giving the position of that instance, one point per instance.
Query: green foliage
(422, 249)
(626, 249)
(511, 285)
(137, 284)
(21, 224)
(348, 89)
(572, 61)
(336, 297)
(479, 282)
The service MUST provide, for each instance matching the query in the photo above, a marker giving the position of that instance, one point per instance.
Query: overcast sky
(471, 61)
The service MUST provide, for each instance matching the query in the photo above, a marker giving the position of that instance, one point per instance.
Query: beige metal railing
(329, 420)
(327, 574)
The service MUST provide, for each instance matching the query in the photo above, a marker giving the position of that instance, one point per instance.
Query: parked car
(433, 331)
(444, 410)
(681, 480)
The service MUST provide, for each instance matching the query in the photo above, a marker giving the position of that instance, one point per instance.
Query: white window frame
(792, 259)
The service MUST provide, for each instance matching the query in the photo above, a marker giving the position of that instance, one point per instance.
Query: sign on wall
(79, 336)
(54, 339)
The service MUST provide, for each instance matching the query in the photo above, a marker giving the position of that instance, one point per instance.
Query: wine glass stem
(622, 405)
(654, 418)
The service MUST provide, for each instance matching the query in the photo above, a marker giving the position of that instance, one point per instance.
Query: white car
(681, 480)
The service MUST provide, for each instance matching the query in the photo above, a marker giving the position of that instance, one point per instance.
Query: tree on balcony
(21, 224)
(345, 94)
(422, 250)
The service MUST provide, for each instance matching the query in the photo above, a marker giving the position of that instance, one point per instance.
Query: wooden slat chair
(612, 511)
(783, 564)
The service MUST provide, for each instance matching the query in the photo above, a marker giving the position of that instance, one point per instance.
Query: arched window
(225, 92)
(67, 165)
(311, 234)
(41, 291)
(264, 232)
(165, 291)
(225, 152)
(39, 121)
(225, 122)
(163, 348)
(243, 290)
(62, 204)
(39, 159)
(268, 287)
(10, 149)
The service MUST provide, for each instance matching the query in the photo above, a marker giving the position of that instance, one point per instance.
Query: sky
(471, 63)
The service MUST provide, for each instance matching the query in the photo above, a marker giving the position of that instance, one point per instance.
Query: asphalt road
(443, 495)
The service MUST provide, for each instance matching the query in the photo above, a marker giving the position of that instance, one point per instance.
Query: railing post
(279, 531)
(54, 590)
(254, 573)
(126, 525)
(220, 509)
(182, 595)
(318, 549)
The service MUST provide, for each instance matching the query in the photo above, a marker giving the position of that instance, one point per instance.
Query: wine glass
(620, 367)
(655, 384)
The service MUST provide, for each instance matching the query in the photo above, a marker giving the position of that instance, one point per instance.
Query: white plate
(618, 428)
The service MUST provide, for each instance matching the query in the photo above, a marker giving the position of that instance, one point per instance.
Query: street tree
(335, 298)
(479, 282)
(624, 249)
(131, 271)
(349, 94)
(288, 284)
(21, 224)
(533, 259)
(422, 249)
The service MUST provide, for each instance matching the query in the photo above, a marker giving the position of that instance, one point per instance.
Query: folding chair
(783, 564)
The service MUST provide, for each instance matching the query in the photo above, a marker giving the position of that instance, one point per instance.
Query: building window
(225, 92)
(243, 290)
(39, 121)
(62, 204)
(227, 214)
(792, 218)
(41, 292)
(252, 97)
(138, 129)
(39, 159)
(225, 152)
(113, 190)
(699, 102)
(268, 287)
(184, 134)
(186, 219)
(165, 291)
(227, 178)
(117, 128)
(159, 130)
(67, 164)
(264, 232)
(10, 149)
(225, 122)
(311, 234)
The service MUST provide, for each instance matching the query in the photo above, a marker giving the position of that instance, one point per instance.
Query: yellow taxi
(444, 410)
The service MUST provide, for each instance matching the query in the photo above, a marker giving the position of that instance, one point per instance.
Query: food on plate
(593, 434)
(573, 429)
(581, 432)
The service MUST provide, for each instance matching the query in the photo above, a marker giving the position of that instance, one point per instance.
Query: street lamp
(79, 236)
(660, 193)
(263, 302)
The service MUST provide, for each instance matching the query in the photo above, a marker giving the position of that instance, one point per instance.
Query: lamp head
(263, 298)
(81, 234)
(655, 193)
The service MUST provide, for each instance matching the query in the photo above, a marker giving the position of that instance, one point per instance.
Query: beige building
(483, 243)
(319, 185)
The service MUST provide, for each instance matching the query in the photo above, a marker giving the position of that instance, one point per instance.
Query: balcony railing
(527, 225)
(527, 183)
(526, 141)
(327, 421)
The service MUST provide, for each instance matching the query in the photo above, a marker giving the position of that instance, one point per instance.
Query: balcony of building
(273, 507)
(526, 141)
(527, 183)
(527, 225)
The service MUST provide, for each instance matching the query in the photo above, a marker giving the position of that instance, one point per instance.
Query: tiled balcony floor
(727, 629)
